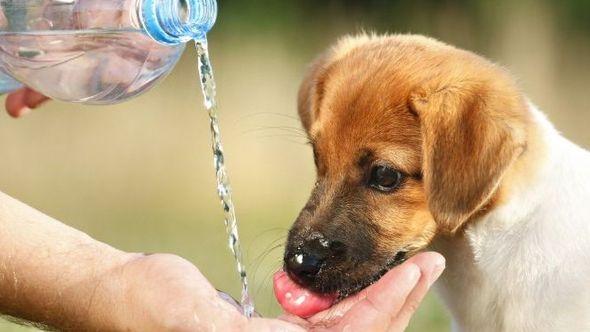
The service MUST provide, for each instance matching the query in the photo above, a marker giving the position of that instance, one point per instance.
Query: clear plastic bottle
(96, 51)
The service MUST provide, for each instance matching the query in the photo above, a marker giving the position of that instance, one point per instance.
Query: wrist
(92, 303)
(108, 296)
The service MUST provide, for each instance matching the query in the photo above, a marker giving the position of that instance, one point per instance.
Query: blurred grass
(139, 175)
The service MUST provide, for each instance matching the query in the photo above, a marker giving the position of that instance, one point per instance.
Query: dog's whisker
(294, 130)
(273, 114)
(267, 279)
(260, 259)
(285, 139)
(270, 230)
(288, 135)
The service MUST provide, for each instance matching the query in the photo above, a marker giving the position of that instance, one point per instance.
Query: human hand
(387, 305)
(22, 101)
(167, 293)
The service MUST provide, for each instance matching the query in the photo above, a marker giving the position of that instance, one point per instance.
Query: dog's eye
(385, 179)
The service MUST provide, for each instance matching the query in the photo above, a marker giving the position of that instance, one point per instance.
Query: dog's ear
(311, 91)
(471, 135)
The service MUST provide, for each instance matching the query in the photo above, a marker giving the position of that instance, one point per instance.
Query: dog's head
(411, 138)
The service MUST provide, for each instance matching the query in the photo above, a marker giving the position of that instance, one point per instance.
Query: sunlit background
(139, 175)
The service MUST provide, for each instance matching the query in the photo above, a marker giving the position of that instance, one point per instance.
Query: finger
(383, 301)
(15, 103)
(22, 101)
(425, 261)
(333, 315)
(33, 98)
(294, 319)
(271, 325)
(432, 266)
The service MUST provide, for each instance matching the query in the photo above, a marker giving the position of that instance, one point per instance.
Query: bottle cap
(178, 21)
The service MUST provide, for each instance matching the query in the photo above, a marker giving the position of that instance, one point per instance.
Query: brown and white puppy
(419, 144)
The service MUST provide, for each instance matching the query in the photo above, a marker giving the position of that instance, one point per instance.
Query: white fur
(525, 266)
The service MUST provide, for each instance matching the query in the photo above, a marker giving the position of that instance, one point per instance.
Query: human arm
(48, 270)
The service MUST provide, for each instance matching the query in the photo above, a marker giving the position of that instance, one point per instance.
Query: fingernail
(437, 271)
(24, 111)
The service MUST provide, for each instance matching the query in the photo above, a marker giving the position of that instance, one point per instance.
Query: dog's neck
(526, 183)
(493, 260)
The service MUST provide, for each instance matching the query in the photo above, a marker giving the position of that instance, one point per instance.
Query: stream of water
(223, 185)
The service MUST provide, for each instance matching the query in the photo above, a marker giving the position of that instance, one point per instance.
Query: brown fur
(450, 120)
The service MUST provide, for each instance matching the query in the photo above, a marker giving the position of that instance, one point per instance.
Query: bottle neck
(177, 21)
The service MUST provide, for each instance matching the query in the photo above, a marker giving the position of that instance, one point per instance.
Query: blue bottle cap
(163, 22)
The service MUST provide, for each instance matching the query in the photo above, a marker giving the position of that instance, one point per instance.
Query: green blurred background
(139, 175)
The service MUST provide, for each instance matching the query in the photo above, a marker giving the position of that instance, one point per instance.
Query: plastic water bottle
(96, 51)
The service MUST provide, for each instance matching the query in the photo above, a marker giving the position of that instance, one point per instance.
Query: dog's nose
(305, 266)
(305, 262)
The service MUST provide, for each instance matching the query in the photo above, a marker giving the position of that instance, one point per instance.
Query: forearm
(49, 271)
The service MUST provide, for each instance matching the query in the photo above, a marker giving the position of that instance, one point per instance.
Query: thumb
(431, 265)
(390, 303)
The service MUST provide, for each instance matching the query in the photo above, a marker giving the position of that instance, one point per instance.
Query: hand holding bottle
(22, 101)
(96, 51)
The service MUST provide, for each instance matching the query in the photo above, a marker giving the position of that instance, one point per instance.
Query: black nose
(306, 261)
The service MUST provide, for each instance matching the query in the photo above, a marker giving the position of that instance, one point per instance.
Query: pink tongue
(297, 300)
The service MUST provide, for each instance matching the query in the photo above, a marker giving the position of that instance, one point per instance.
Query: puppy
(421, 145)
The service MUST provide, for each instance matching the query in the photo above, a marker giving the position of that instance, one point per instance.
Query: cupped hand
(387, 305)
(22, 101)
(167, 293)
